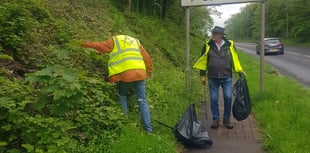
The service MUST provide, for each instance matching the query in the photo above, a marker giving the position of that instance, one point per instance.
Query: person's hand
(83, 44)
(242, 73)
(203, 80)
(80, 42)
(150, 76)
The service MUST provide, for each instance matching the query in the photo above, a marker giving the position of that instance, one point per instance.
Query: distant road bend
(294, 63)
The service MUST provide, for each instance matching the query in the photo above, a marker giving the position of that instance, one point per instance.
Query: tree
(282, 17)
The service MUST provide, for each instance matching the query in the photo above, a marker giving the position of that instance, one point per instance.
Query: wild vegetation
(55, 97)
(54, 94)
(287, 19)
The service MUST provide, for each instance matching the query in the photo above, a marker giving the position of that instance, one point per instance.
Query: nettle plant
(59, 106)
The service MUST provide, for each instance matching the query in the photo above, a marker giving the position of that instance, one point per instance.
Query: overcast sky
(227, 11)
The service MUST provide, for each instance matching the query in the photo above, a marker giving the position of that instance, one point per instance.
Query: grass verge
(282, 111)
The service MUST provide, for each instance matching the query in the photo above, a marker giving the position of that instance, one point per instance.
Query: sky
(227, 11)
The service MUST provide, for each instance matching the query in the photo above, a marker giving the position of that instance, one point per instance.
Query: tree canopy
(289, 19)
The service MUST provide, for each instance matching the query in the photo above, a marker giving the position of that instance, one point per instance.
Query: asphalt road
(294, 63)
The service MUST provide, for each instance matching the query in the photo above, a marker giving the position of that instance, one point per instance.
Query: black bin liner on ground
(242, 104)
(190, 131)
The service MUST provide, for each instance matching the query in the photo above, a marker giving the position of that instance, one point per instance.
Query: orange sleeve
(147, 59)
(101, 47)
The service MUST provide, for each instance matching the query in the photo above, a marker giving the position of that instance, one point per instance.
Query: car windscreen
(272, 41)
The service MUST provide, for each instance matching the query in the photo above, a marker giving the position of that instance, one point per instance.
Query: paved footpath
(244, 138)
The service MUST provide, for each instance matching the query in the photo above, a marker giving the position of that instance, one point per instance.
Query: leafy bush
(58, 107)
(19, 20)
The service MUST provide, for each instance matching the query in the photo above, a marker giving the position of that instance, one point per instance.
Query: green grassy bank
(64, 103)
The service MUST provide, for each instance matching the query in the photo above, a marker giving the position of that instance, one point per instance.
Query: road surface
(294, 63)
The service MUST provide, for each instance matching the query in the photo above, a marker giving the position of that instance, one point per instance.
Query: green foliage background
(54, 96)
(279, 14)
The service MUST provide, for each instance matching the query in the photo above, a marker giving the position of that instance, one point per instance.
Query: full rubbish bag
(242, 104)
(190, 131)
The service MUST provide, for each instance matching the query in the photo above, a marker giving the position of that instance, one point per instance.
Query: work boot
(215, 124)
(228, 124)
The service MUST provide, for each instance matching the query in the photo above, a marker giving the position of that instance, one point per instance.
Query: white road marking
(293, 53)
(298, 54)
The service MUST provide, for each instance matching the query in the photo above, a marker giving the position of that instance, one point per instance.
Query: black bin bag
(242, 104)
(190, 132)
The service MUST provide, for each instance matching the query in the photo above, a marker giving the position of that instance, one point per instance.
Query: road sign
(214, 2)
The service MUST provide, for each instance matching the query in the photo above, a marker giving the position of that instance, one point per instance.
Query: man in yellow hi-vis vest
(219, 59)
(129, 65)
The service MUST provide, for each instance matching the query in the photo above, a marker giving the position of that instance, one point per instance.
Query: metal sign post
(191, 3)
(187, 50)
(262, 47)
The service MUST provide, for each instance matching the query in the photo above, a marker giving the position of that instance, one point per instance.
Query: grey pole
(262, 47)
(187, 51)
(287, 26)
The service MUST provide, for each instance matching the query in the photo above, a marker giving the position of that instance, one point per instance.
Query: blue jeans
(139, 88)
(226, 85)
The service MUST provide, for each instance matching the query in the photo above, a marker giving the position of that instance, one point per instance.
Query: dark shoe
(228, 124)
(215, 124)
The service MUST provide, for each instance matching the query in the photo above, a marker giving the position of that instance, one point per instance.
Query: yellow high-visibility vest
(201, 63)
(126, 55)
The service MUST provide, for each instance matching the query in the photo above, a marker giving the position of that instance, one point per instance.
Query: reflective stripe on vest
(125, 55)
(119, 49)
(201, 63)
(125, 59)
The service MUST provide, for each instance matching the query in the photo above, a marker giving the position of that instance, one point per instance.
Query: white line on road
(293, 53)
(298, 54)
